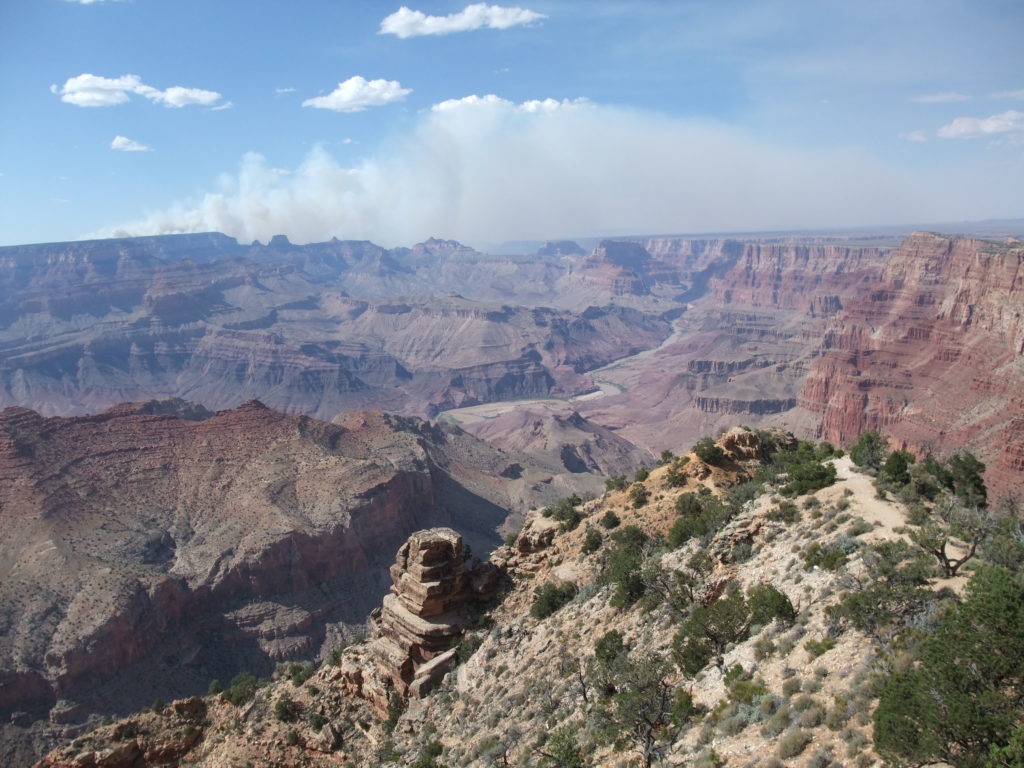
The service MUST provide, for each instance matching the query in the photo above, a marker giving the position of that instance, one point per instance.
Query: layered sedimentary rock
(741, 350)
(415, 631)
(558, 437)
(932, 354)
(151, 548)
(312, 329)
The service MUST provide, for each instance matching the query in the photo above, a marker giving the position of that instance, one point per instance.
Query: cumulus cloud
(491, 101)
(915, 136)
(88, 90)
(406, 22)
(124, 144)
(357, 93)
(1009, 122)
(1008, 94)
(945, 97)
(484, 170)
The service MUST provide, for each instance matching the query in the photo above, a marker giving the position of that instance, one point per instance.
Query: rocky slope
(559, 438)
(150, 548)
(794, 689)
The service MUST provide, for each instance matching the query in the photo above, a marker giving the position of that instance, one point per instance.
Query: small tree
(949, 519)
(562, 750)
(869, 451)
(896, 469)
(967, 692)
(644, 711)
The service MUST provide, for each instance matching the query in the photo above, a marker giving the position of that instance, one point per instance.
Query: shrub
(549, 598)
(609, 647)
(817, 647)
(610, 520)
(242, 688)
(641, 474)
(591, 541)
(791, 686)
(812, 717)
(429, 754)
(616, 483)
(808, 477)
(708, 452)
(469, 643)
(666, 457)
(785, 512)
(777, 723)
(793, 743)
(767, 603)
(623, 564)
(317, 721)
(638, 495)
(285, 709)
(565, 511)
(896, 469)
(829, 557)
(689, 504)
(300, 673)
(674, 476)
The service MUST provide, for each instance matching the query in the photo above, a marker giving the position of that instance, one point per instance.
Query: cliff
(151, 548)
(931, 354)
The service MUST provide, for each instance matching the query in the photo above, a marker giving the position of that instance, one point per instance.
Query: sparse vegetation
(550, 597)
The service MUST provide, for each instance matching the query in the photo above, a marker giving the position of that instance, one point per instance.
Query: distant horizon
(1002, 227)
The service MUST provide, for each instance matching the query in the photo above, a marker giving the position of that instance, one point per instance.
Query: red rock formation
(143, 553)
(931, 355)
(416, 628)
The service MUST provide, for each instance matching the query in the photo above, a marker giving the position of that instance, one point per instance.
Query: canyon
(211, 451)
(153, 547)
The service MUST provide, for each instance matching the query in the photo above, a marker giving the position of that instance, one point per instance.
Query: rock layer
(149, 549)
(932, 355)
(415, 630)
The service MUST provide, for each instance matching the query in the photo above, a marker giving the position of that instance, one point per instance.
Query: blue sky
(488, 122)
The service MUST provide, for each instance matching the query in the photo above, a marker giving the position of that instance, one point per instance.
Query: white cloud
(915, 136)
(87, 2)
(1009, 122)
(490, 101)
(406, 22)
(1008, 94)
(284, 90)
(945, 97)
(124, 144)
(87, 90)
(484, 170)
(357, 93)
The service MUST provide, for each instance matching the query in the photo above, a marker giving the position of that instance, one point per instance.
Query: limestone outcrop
(414, 632)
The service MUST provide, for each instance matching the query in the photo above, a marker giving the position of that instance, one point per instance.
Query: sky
(488, 122)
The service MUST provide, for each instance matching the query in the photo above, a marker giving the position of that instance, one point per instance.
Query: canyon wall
(932, 355)
(151, 548)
